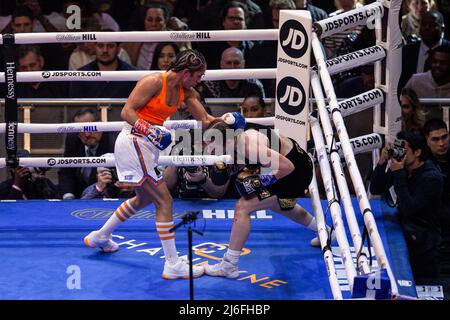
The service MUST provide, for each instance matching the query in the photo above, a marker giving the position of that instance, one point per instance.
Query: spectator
(232, 58)
(254, 14)
(416, 56)
(436, 133)
(84, 52)
(54, 55)
(107, 59)
(45, 23)
(27, 183)
(107, 186)
(29, 58)
(340, 43)
(72, 181)
(154, 18)
(412, 115)
(234, 17)
(434, 83)
(316, 12)
(165, 54)
(253, 106)
(176, 24)
(444, 7)
(417, 185)
(411, 21)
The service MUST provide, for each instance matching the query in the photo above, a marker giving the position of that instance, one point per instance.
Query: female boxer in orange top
(155, 98)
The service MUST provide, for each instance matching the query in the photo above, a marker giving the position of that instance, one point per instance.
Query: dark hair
(437, 15)
(23, 50)
(433, 124)
(155, 5)
(190, 59)
(258, 97)
(158, 50)
(22, 11)
(416, 141)
(444, 48)
(234, 4)
(83, 111)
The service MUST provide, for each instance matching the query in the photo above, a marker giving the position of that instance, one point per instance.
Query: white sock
(168, 241)
(122, 213)
(312, 225)
(233, 255)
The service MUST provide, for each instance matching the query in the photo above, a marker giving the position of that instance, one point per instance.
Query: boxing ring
(43, 256)
(41, 241)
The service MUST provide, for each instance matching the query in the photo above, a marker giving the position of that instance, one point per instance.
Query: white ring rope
(111, 126)
(145, 36)
(361, 16)
(135, 75)
(82, 162)
(355, 59)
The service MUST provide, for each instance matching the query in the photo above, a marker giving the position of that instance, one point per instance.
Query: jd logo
(291, 96)
(294, 39)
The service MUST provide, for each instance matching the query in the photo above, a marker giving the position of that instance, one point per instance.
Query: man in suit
(416, 56)
(72, 181)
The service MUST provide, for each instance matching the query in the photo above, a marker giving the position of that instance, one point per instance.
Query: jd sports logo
(291, 96)
(46, 74)
(294, 39)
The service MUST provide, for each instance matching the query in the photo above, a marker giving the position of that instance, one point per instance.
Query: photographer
(106, 186)
(415, 186)
(198, 182)
(195, 182)
(27, 183)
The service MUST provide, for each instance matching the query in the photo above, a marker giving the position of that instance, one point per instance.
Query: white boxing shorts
(136, 159)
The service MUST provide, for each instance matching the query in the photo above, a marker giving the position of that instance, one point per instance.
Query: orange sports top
(156, 111)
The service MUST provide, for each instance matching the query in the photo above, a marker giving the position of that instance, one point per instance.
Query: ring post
(292, 90)
(11, 109)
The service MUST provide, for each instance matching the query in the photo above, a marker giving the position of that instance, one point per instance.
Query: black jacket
(102, 89)
(71, 179)
(418, 201)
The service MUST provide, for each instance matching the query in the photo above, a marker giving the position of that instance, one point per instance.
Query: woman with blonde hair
(412, 113)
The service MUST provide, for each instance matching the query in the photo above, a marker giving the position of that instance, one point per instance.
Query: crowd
(412, 172)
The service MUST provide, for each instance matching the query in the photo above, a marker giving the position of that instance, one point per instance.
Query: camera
(398, 150)
(192, 169)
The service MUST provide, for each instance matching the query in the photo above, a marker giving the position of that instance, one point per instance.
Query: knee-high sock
(122, 213)
(167, 240)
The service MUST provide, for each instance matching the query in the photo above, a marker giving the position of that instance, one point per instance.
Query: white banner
(293, 74)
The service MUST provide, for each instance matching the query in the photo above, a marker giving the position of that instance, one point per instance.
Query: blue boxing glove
(267, 179)
(234, 119)
(160, 137)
